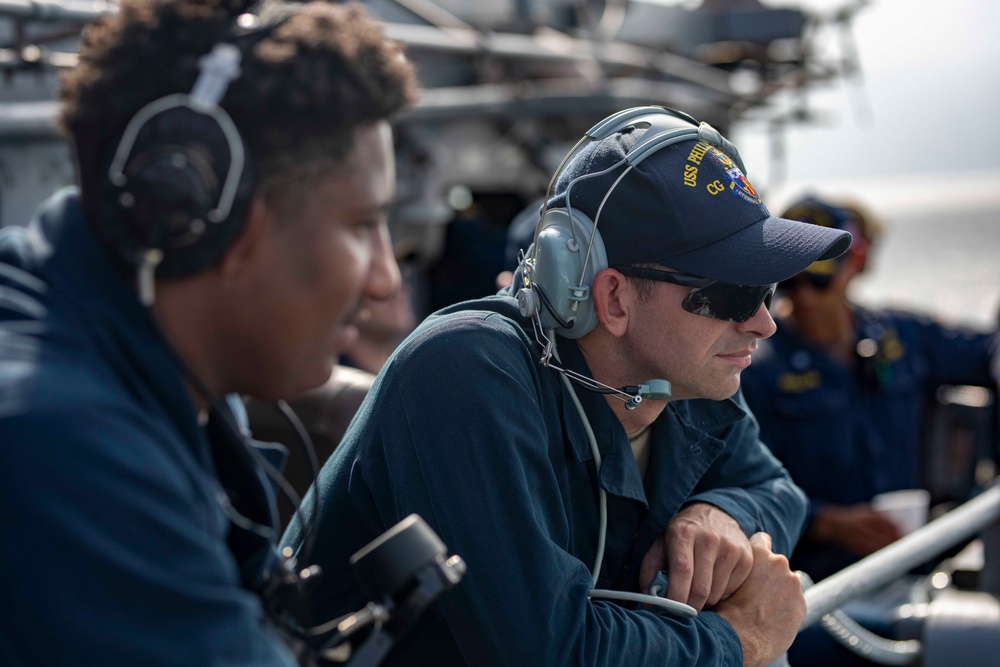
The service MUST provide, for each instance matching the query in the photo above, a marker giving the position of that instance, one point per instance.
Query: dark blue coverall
(464, 427)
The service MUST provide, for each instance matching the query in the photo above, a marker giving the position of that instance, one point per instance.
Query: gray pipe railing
(24, 121)
(55, 10)
(552, 46)
(899, 557)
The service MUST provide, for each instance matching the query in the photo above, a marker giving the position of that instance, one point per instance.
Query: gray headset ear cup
(557, 292)
(560, 249)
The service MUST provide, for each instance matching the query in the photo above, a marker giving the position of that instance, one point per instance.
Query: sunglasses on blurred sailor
(817, 281)
(710, 298)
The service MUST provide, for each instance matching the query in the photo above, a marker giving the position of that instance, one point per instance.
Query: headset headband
(661, 133)
(557, 269)
(181, 177)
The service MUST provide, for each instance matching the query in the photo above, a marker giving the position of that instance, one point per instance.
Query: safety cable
(862, 641)
(672, 606)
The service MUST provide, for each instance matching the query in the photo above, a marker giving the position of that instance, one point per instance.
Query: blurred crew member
(840, 391)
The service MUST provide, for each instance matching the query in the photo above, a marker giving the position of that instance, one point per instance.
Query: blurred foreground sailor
(234, 173)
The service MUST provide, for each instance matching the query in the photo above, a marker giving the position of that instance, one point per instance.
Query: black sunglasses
(710, 298)
(816, 281)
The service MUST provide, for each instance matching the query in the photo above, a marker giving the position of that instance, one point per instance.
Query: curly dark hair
(302, 92)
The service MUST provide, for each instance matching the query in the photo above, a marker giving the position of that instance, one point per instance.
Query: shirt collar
(697, 424)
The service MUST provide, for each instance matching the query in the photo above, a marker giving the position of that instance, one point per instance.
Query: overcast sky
(923, 156)
(925, 160)
(931, 79)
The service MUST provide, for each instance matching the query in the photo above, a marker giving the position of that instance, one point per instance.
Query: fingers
(739, 565)
(732, 563)
(680, 565)
(868, 540)
(887, 528)
(705, 567)
(867, 531)
(705, 550)
(760, 540)
(767, 610)
(706, 554)
(652, 562)
(857, 528)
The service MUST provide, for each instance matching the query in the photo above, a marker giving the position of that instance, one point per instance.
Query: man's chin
(317, 376)
(290, 388)
(727, 391)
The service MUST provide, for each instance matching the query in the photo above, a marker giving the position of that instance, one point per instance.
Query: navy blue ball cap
(688, 207)
(817, 212)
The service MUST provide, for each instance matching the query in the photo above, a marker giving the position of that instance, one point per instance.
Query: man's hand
(857, 528)
(705, 553)
(767, 610)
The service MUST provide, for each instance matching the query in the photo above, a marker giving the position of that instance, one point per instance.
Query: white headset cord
(672, 606)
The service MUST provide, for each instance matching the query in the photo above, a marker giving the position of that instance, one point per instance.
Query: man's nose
(761, 325)
(383, 274)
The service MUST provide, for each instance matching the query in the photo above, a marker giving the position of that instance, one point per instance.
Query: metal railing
(895, 560)
(61, 10)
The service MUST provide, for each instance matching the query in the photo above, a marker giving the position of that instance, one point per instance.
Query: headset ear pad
(560, 249)
(174, 175)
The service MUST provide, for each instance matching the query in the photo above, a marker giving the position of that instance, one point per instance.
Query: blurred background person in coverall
(841, 394)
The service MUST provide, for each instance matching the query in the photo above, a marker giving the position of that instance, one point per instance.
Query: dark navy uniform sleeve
(455, 431)
(113, 550)
(951, 355)
(122, 559)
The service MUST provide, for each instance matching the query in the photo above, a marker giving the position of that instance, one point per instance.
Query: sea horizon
(940, 251)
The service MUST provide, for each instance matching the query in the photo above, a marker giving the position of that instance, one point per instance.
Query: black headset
(554, 278)
(179, 185)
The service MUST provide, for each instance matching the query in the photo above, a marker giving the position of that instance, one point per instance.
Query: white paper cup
(907, 508)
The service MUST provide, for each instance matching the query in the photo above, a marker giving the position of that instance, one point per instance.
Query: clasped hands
(705, 553)
(712, 564)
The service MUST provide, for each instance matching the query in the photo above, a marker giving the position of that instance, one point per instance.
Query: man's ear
(613, 300)
(252, 240)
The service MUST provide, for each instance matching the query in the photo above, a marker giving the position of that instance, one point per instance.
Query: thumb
(654, 561)
(761, 540)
